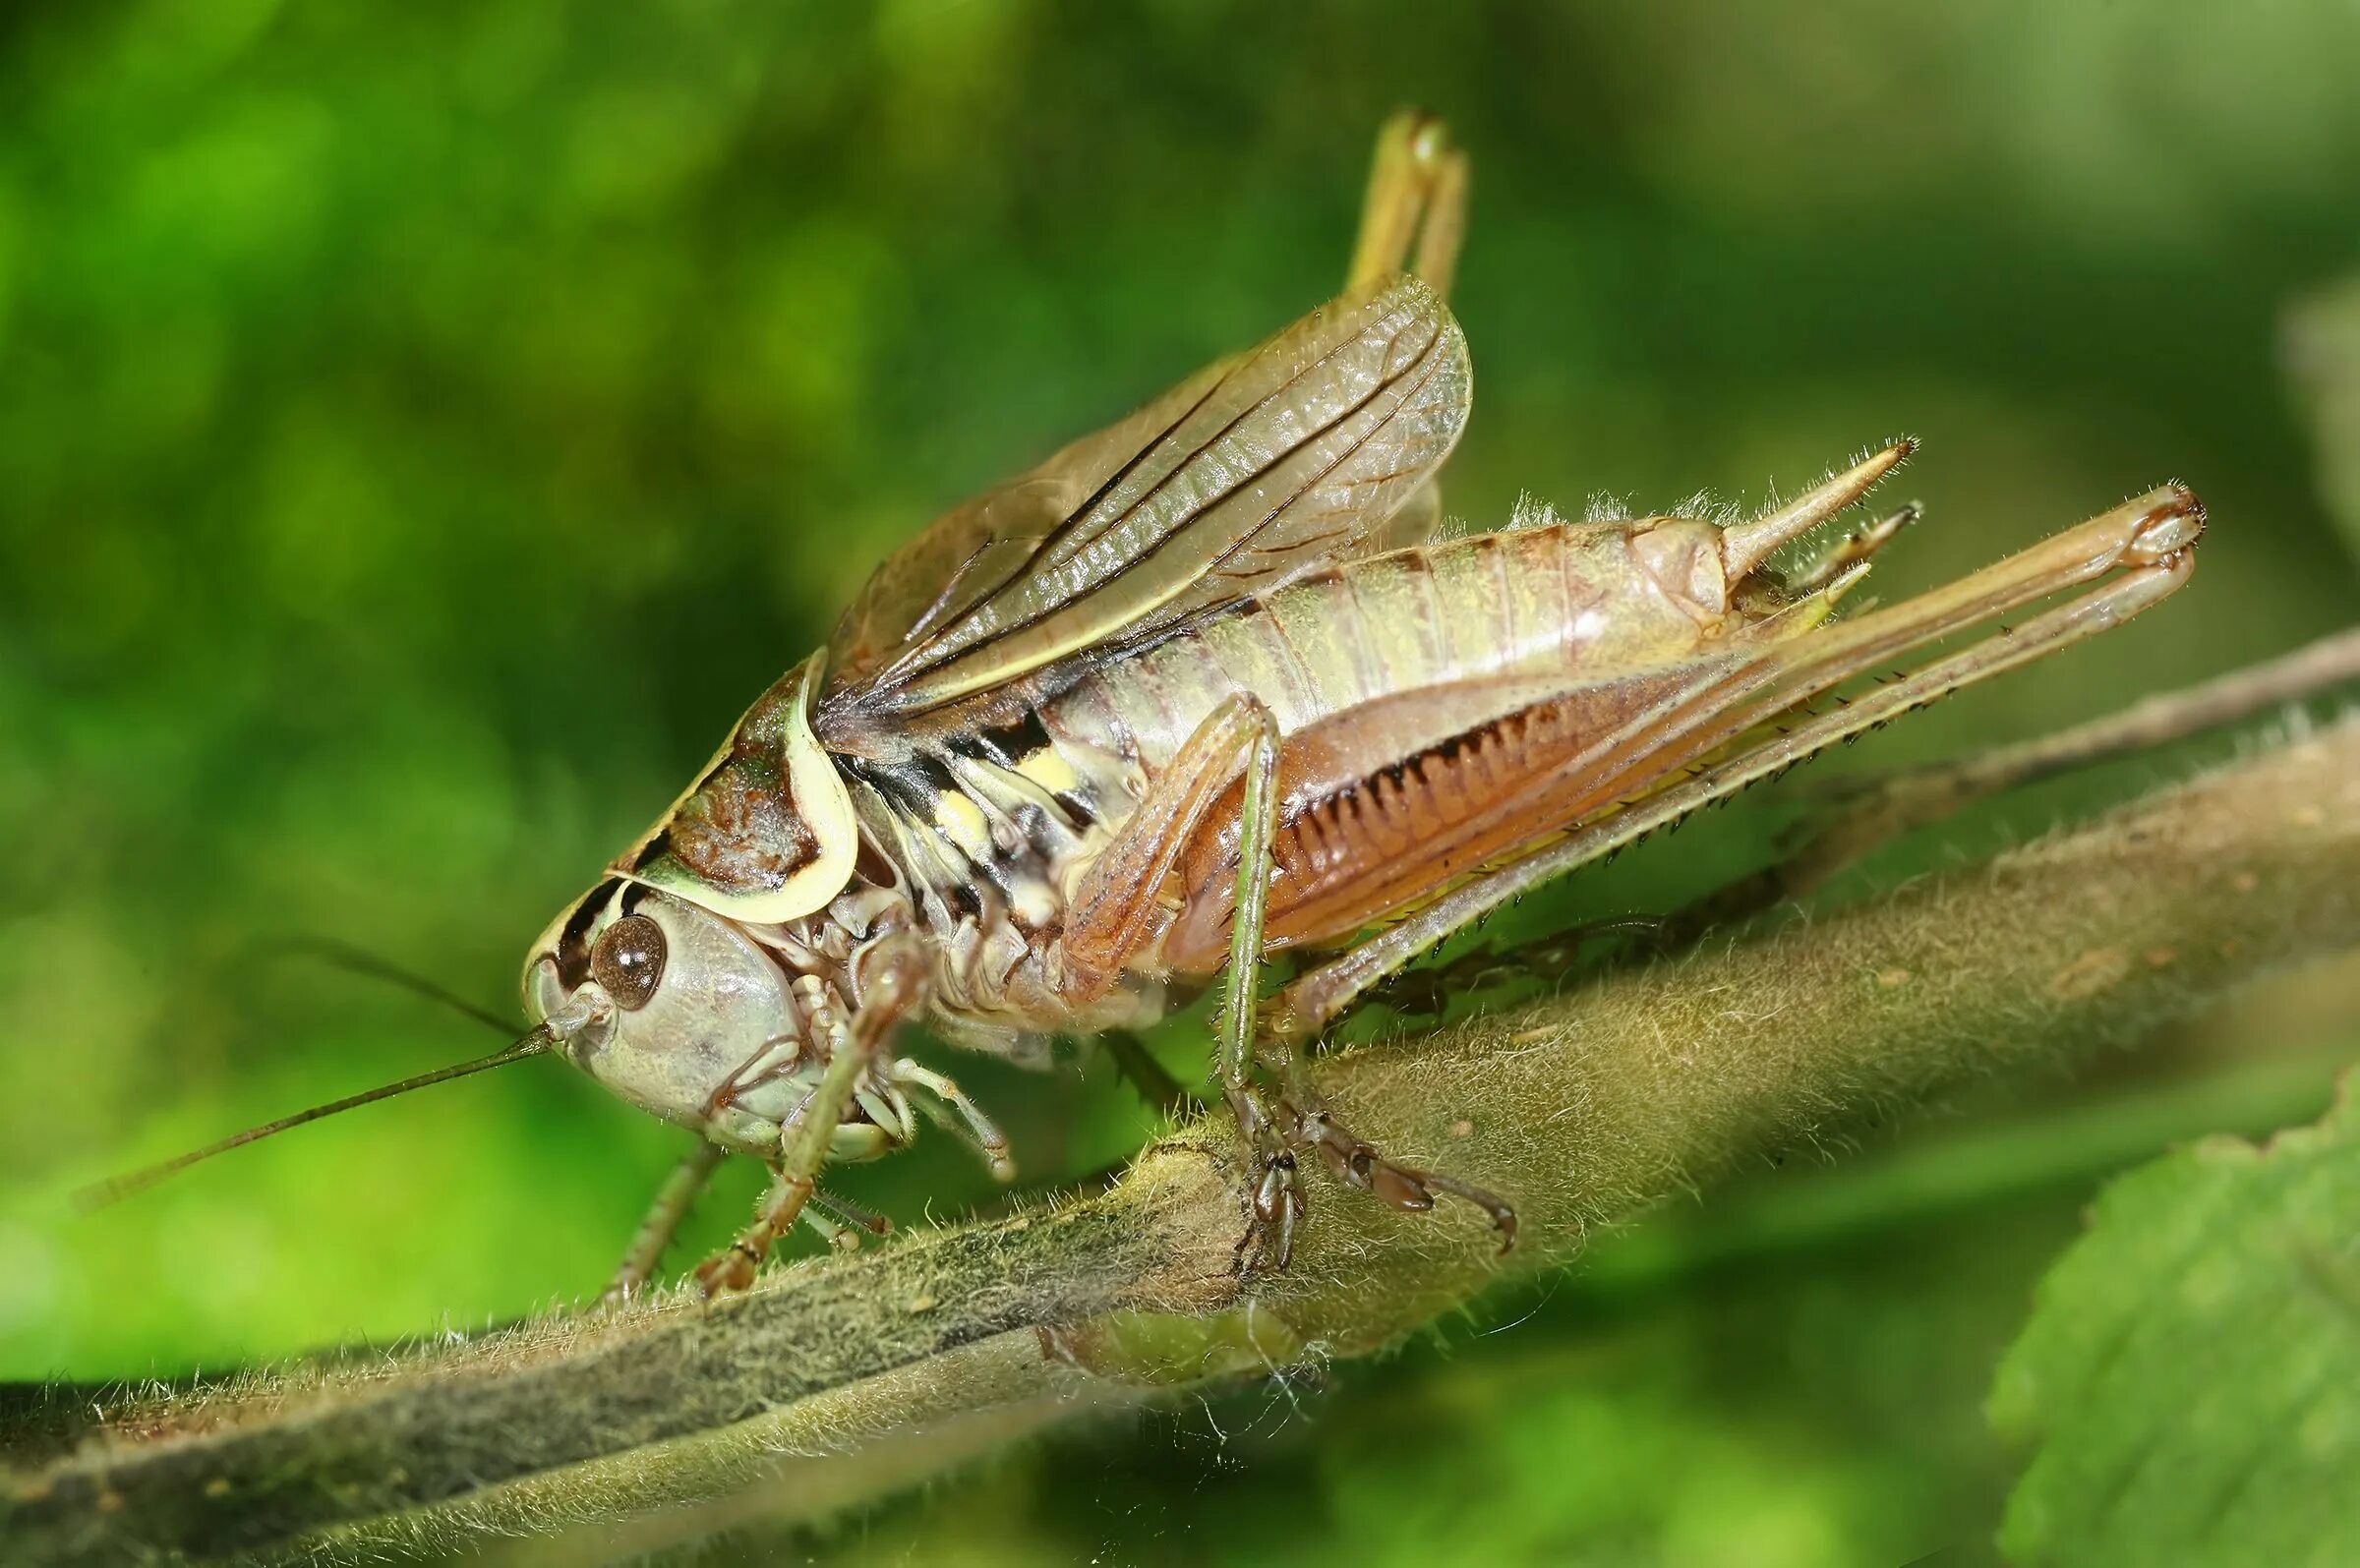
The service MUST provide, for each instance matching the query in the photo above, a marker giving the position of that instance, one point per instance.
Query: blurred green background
(423, 428)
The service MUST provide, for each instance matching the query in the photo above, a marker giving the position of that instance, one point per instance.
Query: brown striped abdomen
(1355, 844)
(1424, 706)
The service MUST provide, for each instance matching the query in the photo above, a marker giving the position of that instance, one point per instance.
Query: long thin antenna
(98, 1194)
(344, 955)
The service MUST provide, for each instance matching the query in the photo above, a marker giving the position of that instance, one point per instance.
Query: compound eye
(627, 960)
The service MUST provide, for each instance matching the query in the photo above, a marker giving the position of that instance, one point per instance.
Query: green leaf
(2190, 1375)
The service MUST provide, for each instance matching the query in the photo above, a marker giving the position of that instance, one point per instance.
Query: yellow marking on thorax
(1048, 769)
(962, 821)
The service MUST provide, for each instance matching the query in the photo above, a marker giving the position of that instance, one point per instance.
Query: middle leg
(673, 1200)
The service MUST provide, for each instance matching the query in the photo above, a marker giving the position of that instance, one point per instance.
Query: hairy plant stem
(1586, 1109)
(1876, 810)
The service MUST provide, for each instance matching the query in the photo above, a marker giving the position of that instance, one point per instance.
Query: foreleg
(891, 990)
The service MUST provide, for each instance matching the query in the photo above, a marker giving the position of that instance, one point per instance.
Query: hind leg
(1414, 217)
(2152, 560)
(1278, 1129)
(1120, 913)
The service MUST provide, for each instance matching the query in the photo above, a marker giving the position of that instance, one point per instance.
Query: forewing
(1254, 470)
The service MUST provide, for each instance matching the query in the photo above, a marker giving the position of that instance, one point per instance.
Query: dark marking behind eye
(573, 951)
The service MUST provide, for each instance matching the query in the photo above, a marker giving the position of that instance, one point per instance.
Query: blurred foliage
(423, 428)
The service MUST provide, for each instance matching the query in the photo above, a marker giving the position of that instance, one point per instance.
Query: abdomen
(1380, 657)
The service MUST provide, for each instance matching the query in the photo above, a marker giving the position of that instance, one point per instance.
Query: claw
(1277, 1199)
(1271, 1198)
(1502, 1213)
(726, 1272)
